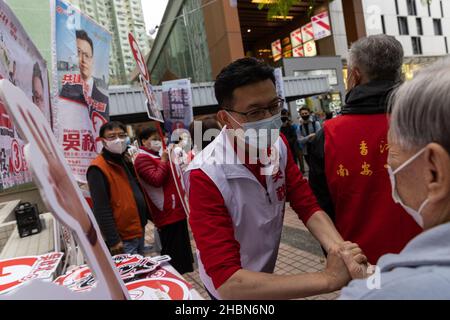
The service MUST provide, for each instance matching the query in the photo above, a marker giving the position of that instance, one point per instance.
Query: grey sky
(153, 12)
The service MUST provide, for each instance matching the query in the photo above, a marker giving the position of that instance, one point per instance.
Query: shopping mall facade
(197, 43)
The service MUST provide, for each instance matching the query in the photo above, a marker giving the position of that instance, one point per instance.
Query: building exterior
(423, 27)
(117, 16)
(197, 38)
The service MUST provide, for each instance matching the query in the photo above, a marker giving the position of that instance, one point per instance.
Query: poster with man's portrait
(81, 76)
(23, 66)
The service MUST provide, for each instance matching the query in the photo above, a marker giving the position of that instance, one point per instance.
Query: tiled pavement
(299, 252)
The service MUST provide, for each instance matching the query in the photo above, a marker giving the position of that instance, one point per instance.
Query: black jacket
(370, 98)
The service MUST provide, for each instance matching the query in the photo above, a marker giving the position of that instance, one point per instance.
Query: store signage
(310, 49)
(298, 52)
(296, 38)
(307, 32)
(276, 50)
(321, 25)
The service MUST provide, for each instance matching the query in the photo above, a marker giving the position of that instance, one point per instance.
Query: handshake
(345, 261)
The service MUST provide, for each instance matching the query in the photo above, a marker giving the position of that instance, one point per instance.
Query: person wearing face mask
(153, 168)
(307, 132)
(419, 168)
(237, 198)
(288, 130)
(348, 157)
(119, 203)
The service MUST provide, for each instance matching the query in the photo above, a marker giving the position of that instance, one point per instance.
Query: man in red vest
(349, 156)
(167, 210)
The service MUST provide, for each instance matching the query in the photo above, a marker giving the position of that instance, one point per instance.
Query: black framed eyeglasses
(113, 136)
(260, 113)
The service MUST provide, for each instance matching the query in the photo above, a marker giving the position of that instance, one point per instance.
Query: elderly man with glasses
(120, 205)
(238, 187)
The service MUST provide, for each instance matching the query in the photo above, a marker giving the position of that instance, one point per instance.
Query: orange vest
(123, 204)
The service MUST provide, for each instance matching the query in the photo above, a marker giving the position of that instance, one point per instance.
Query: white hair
(421, 109)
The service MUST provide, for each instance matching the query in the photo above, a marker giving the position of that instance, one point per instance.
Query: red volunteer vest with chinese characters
(356, 152)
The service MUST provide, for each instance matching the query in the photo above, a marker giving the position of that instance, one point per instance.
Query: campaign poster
(177, 104)
(21, 64)
(60, 192)
(81, 49)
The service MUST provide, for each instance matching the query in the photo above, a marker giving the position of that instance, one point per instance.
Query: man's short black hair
(304, 109)
(240, 73)
(37, 74)
(147, 133)
(111, 126)
(82, 35)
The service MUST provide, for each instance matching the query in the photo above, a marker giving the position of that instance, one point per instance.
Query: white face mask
(261, 134)
(417, 215)
(155, 145)
(117, 146)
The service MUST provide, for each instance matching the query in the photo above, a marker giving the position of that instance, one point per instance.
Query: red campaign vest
(356, 152)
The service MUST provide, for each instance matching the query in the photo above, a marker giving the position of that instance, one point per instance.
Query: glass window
(417, 45)
(437, 27)
(403, 26)
(185, 52)
(419, 26)
(412, 9)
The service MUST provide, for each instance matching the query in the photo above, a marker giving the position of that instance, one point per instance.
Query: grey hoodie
(420, 272)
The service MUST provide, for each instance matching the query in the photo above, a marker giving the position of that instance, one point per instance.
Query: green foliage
(282, 7)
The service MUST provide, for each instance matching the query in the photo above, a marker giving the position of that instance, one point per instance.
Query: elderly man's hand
(354, 259)
(336, 271)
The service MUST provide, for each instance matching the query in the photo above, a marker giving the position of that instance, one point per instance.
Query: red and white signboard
(17, 271)
(310, 49)
(307, 33)
(276, 50)
(321, 25)
(296, 38)
(140, 60)
(298, 52)
(79, 279)
(161, 285)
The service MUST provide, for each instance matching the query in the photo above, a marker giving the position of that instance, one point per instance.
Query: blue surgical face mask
(261, 134)
(417, 215)
(128, 141)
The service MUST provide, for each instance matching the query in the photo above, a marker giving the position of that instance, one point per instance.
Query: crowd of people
(377, 197)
